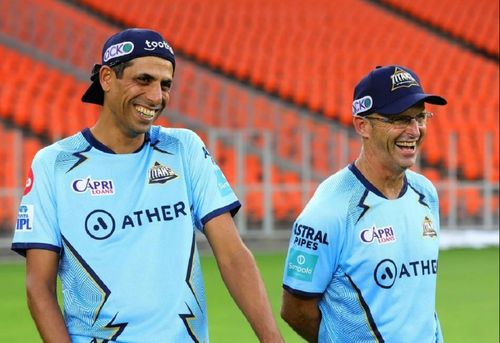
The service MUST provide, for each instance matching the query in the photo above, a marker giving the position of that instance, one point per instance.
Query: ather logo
(386, 272)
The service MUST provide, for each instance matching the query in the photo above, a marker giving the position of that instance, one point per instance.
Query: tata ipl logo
(117, 50)
(25, 218)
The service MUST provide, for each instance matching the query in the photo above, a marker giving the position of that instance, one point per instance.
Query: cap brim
(94, 94)
(410, 100)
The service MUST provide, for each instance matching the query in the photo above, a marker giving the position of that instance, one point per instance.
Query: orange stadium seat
(309, 63)
(474, 21)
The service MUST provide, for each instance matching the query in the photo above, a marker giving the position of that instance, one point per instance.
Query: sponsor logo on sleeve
(206, 154)
(25, 218)
(94, 187)
(222, 184)
(29, 182)
(382, 235)
(309, 237)
(301, 265)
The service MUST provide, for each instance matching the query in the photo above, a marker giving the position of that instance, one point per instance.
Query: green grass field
(467, 299)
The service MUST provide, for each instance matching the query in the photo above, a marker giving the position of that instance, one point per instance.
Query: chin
(406, 164)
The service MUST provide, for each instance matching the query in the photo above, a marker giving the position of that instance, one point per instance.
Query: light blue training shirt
(124, 227)
(371, 261)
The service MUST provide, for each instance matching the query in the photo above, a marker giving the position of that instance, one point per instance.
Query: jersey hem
(21, 248)
(302, 293)
(232, 208)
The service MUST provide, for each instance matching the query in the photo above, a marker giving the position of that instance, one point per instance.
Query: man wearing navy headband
(362, 258)
(114, 209)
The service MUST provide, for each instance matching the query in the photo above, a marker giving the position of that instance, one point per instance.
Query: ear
(362, 126)
(105, 77)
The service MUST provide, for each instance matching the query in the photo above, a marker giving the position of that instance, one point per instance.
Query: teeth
(145, 111)
(406, 144)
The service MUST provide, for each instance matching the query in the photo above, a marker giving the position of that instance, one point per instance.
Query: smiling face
(134, 100)
(394, 147)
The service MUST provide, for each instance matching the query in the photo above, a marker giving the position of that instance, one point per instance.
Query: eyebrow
(152, 77)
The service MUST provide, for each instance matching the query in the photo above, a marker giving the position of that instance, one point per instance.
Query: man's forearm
(48, 316)
(244, 282)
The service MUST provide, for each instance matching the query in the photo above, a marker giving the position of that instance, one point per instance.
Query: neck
(116, 139)
(388, 182)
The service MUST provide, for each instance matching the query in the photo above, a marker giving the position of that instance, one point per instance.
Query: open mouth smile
(146, 113)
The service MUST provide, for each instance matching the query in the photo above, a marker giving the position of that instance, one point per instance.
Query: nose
(154, 93)
(414, 127)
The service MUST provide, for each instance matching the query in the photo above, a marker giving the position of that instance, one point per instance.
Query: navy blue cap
(390, 90)
(125, 46)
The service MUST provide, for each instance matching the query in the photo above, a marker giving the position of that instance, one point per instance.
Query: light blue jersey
(371, 261)
(124, 226)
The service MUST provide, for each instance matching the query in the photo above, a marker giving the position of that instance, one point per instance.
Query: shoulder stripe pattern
(363, 205)
(81, 158)
(186, 317)
(421, 197)
(115, 328)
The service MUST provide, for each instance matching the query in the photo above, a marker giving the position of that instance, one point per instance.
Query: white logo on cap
(117, 50)
(402, 78)
(362, 105)
(152, 45)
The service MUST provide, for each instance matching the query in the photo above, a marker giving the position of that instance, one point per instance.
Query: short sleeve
(313, 250)
(36, 225)
(211, 193)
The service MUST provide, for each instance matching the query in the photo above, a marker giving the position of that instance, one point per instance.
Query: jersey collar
(371, 187)
(87, 134)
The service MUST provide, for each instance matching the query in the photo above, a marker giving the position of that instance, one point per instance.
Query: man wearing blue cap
(362, 259)
(113, 210)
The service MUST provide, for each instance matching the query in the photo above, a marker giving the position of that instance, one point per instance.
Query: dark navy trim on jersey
(421, 197)
(185, 318)
(369, 315)
(81, 158)
(155, 147)
(233, 208)
(363, 205)
(21, 248)
(371, 187)
(190, 270)
(302, 293)
(99, 146)
(119, 327)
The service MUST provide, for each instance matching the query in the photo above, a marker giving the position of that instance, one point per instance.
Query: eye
(403, 120)
(166, 86)
(421, 117)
